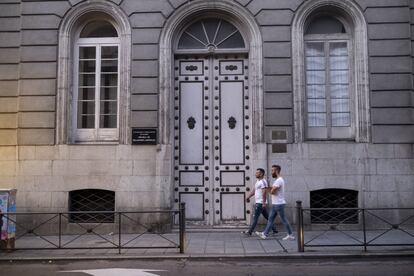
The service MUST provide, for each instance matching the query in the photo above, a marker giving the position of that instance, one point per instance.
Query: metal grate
(334, 198)
(91, 200)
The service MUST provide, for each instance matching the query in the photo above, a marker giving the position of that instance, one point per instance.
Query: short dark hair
(261, 170)
(277, 167)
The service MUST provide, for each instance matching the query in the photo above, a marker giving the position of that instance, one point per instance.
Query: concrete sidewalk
(211, 244)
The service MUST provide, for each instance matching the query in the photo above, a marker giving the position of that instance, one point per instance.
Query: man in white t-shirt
(278, 205)
(259, 194)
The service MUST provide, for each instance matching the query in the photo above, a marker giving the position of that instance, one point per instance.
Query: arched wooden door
(212, 123)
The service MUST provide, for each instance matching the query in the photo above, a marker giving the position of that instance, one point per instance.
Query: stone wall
(43, 173)
(47, 173)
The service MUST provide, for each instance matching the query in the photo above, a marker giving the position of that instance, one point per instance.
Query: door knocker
(232, 122)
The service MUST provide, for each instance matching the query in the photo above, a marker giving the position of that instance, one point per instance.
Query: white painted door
(212, 138)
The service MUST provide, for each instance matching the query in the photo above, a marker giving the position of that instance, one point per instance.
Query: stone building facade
(322, 87)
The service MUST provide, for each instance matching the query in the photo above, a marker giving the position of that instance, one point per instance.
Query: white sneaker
(289, 238)
(261, 235)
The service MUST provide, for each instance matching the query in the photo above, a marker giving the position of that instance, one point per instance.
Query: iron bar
(343, 222)
(300, 232)
(90, 229)
(364, 229)
(119, 233)
(182, 226)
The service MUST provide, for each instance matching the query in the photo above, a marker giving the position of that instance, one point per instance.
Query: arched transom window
(96, 83)
(211, 34)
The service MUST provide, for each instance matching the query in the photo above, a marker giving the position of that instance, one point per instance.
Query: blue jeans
(277, 208)
(258, 209)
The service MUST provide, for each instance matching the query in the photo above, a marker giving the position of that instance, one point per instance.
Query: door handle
(232, 122)
(191, 122)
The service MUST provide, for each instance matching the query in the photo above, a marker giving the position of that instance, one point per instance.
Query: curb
(215, 257)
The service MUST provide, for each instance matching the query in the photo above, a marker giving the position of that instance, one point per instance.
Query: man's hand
(274, 190)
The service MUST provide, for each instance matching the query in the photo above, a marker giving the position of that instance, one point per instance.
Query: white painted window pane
(211, 26)
(109, 52)
(86, 114)
(338, 49)
(87, 79)
(224, 31)
(315, 63)
(87, 107)
(87, 66)
(86, 93)
(109, 66)
(108, 107)
(339, 76)
(338, 63)
(315, 91)
(316, 105)
(109, 79)
(87, 52)
(314, 49)
(197, 31)
(108, 121)
(340, 91)
(228, 36)
(234, 41)
(188, 42)
(315, 77)
(340, 105)
(341, 119)
(86, 121)
(109, 93)
(316, 119)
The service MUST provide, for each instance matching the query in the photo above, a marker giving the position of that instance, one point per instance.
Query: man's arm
(250, 195)
(264, 190)
(274, 189)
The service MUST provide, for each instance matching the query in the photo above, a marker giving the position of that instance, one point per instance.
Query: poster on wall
(8, 205)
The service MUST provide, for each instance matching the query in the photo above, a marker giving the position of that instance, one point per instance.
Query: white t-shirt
(258, 190)
(279, 196)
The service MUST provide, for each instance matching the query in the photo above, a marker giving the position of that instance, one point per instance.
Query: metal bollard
(300, 231)
(182, 226)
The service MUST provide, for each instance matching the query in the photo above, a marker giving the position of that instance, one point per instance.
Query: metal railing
(129, 230)
(380, 227)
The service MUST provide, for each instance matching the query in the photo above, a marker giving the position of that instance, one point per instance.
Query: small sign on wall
(144, 136)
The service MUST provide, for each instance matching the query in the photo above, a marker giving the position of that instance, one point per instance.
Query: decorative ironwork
(92, 200)
(211, 34)
(379, 227)
(191, 68)
(334, 198)
(50, 230)
(191, 122)
(232, 122)
(231, 67)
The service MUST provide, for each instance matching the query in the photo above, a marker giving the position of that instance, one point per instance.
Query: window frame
(332, 132)
(206, 16)
(76, 17)
(354, 18)
(97, 134)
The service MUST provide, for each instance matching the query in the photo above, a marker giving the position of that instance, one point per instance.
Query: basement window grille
(91, 200)
(334, 198)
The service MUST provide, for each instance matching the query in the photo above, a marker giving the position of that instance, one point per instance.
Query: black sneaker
(247, 233)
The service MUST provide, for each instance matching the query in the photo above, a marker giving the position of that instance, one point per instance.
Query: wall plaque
(144, 136)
